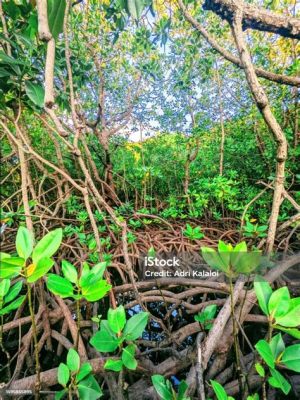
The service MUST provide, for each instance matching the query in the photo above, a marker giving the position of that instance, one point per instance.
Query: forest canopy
(141, 133)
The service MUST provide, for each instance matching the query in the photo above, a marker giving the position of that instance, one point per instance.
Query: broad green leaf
(207, 314)
(182, 388)
(291, 319)
(294, 303)
(279, 381)
(135, 326)
(279, 302)
(13, 305)
(10, 267)
(93, 275)
(47, 246)
(277, 345)
(135, 8)
(69, 271)
(291, 357)
(60, 286)
(265, 352)
(4, 255)
(116, 319)
(96, 291)
(63, 374)
(246, 263)
(213, 259)
(98, 270)
(291, 331)
(36, 93)
(56, 13)
(84, 370)
(5, 59)
(89, 389)
(260, 370)
(73, 360)
(24, 242)
(59, 395)
(161, 387)
(128, 357)
(13, 292)
(4, 287)
(219, 390)
(253, 397)
(224, 252)
(263, 293)
(43, 266)
(105, 340)
(114, 365)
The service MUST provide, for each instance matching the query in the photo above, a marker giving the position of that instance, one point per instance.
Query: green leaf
(43, 266)
(36, 93)
(114, 365)
(56, 13)
(213, 259)
(291, 331)
(279, 381)
(128, 357)
(279, 302)
(182, 388)
(59, 395)
(5, 59)
(69, 271)
(291, 357)
(260, 370)
(207, 314)
(219, 390)
(24, 242)
(265, 352)
(160, 386)
(84, 370)
(151, 252)
(89, 389)
(116, 319)
(13, 292)
(254, 397)
(224, 252)
(13, 305)
(245, 263)
(277, 345)
(135, 8)
(10, 267)
(73, 360)
(90, 277)
(60, 286)
(104, 340)
(96, 291)
(48, 245)
(263, 293)
(98, 270)
(291, 319)
(63, 374)
(4, 287)
(135, 326)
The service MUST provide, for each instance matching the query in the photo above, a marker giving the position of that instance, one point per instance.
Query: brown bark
(49, 73)
(282, 79)
(256, 18)
(221, 165)
(43, 27)
(262, 103)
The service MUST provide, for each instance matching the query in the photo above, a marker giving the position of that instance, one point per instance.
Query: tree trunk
(263, 105)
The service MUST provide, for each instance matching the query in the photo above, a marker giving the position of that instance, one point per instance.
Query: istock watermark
(170, 265)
